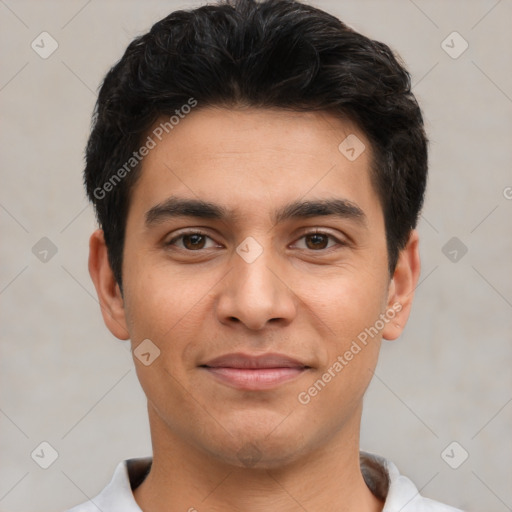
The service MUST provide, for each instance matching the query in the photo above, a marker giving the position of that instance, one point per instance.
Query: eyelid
(310, 231)
(188, 232)
(320, 231)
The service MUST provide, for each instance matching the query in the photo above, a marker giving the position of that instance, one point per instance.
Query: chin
(259, 451)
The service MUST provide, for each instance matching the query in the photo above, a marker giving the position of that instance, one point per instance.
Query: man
(257, 171)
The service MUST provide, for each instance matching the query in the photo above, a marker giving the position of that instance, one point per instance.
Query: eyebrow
(179, 207)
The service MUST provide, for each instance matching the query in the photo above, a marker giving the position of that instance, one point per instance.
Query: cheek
(174, 310)
(156, 302)
(351, 349)
(346, 302)
(349, 308)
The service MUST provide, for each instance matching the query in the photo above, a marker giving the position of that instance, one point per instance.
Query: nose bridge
(258, 280)
(253, 292)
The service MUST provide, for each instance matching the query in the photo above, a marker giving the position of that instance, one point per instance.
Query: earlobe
(401, 288)
(107, 289)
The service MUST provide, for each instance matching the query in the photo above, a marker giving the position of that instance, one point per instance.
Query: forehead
(251, 159)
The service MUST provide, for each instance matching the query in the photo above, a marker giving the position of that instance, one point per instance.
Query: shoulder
(117, 496)
(398, 491)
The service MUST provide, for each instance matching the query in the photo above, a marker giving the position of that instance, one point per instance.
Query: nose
(256, 294)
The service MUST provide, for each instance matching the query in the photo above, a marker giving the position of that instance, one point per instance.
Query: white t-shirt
(381, 476)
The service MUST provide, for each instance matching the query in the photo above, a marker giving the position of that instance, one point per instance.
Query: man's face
(256, 281)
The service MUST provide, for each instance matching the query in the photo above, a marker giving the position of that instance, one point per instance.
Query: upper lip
(240, 360)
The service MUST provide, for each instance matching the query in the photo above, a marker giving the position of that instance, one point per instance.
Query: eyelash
(309, 233)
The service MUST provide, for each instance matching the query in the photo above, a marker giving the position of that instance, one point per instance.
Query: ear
(109, 293)
(402, 286)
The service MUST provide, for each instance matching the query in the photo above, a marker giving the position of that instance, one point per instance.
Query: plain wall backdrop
(67, 381)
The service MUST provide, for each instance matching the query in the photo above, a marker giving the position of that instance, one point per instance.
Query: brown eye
(317, 241)
(194, 241)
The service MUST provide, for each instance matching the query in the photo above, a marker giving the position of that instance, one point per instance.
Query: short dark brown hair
(273, 53)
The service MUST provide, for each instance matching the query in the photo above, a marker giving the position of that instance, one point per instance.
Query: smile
(254, 372)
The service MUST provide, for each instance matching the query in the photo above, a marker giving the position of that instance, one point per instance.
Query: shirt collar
(381, 476)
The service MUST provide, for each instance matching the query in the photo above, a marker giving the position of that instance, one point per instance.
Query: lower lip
(256, 378)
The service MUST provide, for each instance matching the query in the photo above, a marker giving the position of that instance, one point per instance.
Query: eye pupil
(319, 241)
(194, 241)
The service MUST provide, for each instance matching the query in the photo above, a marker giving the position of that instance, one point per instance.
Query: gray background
(65, 380)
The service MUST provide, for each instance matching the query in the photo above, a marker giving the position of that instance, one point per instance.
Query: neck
(185, 478)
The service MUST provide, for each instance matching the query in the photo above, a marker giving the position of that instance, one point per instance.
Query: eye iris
(194, 241)
(319, 241)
